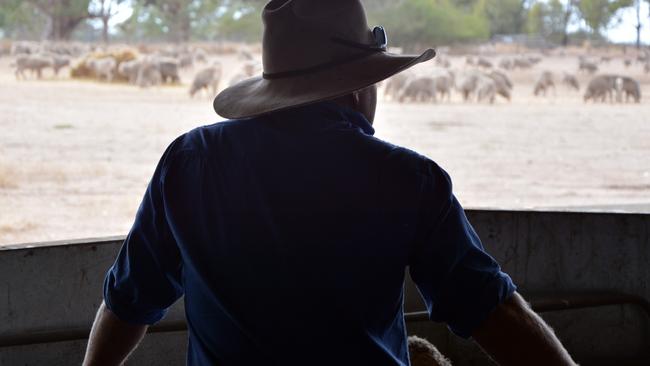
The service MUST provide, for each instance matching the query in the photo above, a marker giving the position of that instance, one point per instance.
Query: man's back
(290, 233)
(289, 236)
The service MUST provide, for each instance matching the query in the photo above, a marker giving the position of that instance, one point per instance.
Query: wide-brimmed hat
(313, 50)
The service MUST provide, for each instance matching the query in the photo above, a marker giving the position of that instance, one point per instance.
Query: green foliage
(183, 20)
(242, 23)
(410, 23)
(600, 14)
(18, 19)
(433, 22)
(549, 19)
(506, 16)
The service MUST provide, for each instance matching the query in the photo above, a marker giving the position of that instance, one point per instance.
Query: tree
(241, 21)
(638, 23)
(20, 20)
(63, 16)
(551, 20)
(506, 16)
(104, 10)
(600, 14)
(570, 10)
(176, 20)
(414, 23)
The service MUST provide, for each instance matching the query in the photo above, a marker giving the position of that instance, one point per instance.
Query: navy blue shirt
(289, 235)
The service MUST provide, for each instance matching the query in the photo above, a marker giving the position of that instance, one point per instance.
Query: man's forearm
(111, 339)
(514, 335)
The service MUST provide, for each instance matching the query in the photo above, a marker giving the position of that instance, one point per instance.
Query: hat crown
(298, 33)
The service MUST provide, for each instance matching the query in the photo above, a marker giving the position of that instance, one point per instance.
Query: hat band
(313, 69)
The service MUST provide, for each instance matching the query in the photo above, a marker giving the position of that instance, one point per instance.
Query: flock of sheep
(481, 80)
(143, 68)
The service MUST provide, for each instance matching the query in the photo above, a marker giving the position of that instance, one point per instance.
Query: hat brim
(255, 96)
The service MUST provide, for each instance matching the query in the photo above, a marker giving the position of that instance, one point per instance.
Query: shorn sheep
(33, 63)
(571, 81)
(421, 89)
(206, 79)
(600, 88)
(544, 83)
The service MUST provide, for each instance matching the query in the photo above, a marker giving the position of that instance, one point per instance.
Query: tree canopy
(409, 22)
(600, 14)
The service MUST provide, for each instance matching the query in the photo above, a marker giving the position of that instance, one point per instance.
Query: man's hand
(111, 339)
(514, 335)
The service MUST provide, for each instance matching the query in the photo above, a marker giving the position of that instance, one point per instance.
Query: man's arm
(111, 339)
(514, 335)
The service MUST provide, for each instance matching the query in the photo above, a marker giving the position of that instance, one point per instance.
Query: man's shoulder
(200, 138)
(404, 160)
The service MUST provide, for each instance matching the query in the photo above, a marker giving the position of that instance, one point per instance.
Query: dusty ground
(75, 156)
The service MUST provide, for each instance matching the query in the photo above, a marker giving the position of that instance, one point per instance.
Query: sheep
(104, 68)
(395, 84)
(200, 55)
(467, 84)
(23, 48)
(168, 68)
(502, 83)
(600, 87)
(206, 78)
(59, 62)
(482, 62)
(186, 61)
(543, 83)
(34, 63)
(148, 74)
(571, 81)
(419, 89)
(587, 66)
(486, 89)
(505, 64)
(521, 63)
(129, 70)
(423, 353)
(444, 83)
(629, 87)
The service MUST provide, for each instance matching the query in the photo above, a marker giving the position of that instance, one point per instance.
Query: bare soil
(76, 156)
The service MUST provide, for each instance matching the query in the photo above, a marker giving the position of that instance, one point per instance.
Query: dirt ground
(76, 156)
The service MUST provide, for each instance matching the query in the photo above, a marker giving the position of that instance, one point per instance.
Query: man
(289, 229)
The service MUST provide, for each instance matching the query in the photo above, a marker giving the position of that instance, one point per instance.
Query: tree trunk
(638, 24)
(61, 28)
(567, 17)
(180, 26)
(105, 29)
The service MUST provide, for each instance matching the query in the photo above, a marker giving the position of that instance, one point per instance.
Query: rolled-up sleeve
(146, 276)
(459, 282)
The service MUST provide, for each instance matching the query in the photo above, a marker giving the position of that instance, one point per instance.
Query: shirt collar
(325, 115)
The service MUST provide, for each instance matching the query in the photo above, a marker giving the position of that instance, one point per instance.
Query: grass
(63, 126)
(15, 228)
